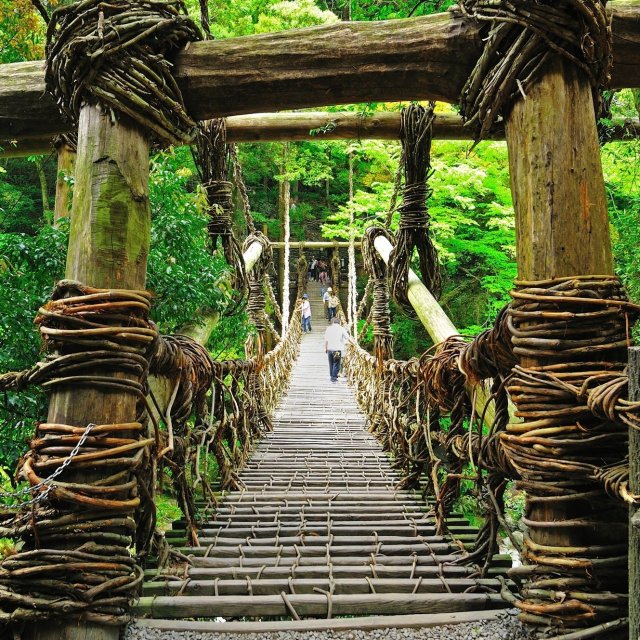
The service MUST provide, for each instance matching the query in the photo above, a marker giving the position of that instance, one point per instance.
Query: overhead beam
(428, 57)
(321, 125)
(314, 244)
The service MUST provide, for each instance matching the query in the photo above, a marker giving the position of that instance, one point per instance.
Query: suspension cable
(352, 306)
(286, 203)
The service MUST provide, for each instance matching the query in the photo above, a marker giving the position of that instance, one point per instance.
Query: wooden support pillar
(65, 171)
(562, 225)
(634, 512)
(108, 248)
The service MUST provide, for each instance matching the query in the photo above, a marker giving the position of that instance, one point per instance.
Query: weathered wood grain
(323, 125)
(427, 57)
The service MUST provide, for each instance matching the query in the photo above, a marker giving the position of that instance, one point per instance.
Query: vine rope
(380, 314)
(211, 156)
(570, 448)
(117, 54)
(91, 334)
(522, 37)
(413, 230)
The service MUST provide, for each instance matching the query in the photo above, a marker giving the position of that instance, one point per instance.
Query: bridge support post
(108, 248)
(634, 512)
(562, 229)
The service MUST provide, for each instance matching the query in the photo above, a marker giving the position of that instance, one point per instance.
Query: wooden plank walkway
(320, 531)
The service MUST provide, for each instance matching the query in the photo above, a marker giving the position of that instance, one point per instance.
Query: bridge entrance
(318, 529)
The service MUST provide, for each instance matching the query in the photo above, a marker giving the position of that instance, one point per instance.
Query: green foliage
(29, 267)
(167, 510)
(21, 31)
(187, 280)
(472, 224)
(246, 17)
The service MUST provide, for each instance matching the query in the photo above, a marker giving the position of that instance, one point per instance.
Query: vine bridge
(318, 528)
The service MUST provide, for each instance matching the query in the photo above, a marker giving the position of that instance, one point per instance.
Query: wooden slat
(313, 605)
(335, 624)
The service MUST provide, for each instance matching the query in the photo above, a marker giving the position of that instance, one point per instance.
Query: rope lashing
(117, 54)
(303, 270)
(380, 314)
(335, 271)
(413, 231)
(572, 443)
(238, 179)
(522, 37)
(490, 354)
(257, 297)
(98, 338)
(245, 394)
(212, 157)
(190, 368)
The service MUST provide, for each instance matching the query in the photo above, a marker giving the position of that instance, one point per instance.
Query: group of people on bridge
(318, 271)
(335, 337)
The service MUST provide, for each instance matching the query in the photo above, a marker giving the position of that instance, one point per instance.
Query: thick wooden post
(634, 512)
(562, 226)
(66, 170)
(108, 248)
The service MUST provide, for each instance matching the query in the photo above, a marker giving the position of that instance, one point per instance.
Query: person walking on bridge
(306, 314)
(335, 339)
(325, 298)
(333, 302)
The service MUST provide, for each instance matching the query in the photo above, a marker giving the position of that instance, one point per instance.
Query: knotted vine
(212, 157)
(90, 334)
(302, 267)
(570, 450)
(523, 36)
(257, 297)
(380, 314)
(117, 54)
(413, 229)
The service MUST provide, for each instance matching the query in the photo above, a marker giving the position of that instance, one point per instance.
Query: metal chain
(53, 476)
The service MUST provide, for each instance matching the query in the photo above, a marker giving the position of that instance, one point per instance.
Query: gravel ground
(506, 628)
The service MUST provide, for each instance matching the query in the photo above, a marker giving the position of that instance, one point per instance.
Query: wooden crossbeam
(422, 58)
(320, 125)
(314, 244)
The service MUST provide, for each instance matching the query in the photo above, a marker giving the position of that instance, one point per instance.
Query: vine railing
(567, 441)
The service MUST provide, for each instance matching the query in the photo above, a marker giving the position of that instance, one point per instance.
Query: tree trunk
(108, 248)
(66, 170)
(44, 188)
(562, 227)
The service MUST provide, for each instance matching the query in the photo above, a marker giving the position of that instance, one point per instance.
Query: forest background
(470, 207)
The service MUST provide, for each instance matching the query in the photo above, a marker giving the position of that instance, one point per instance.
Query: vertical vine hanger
(380, 315)
(212, 156)
(413, 232)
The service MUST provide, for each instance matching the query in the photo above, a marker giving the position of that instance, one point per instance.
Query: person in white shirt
(335, 339)
(325, 298)
(306, 314)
